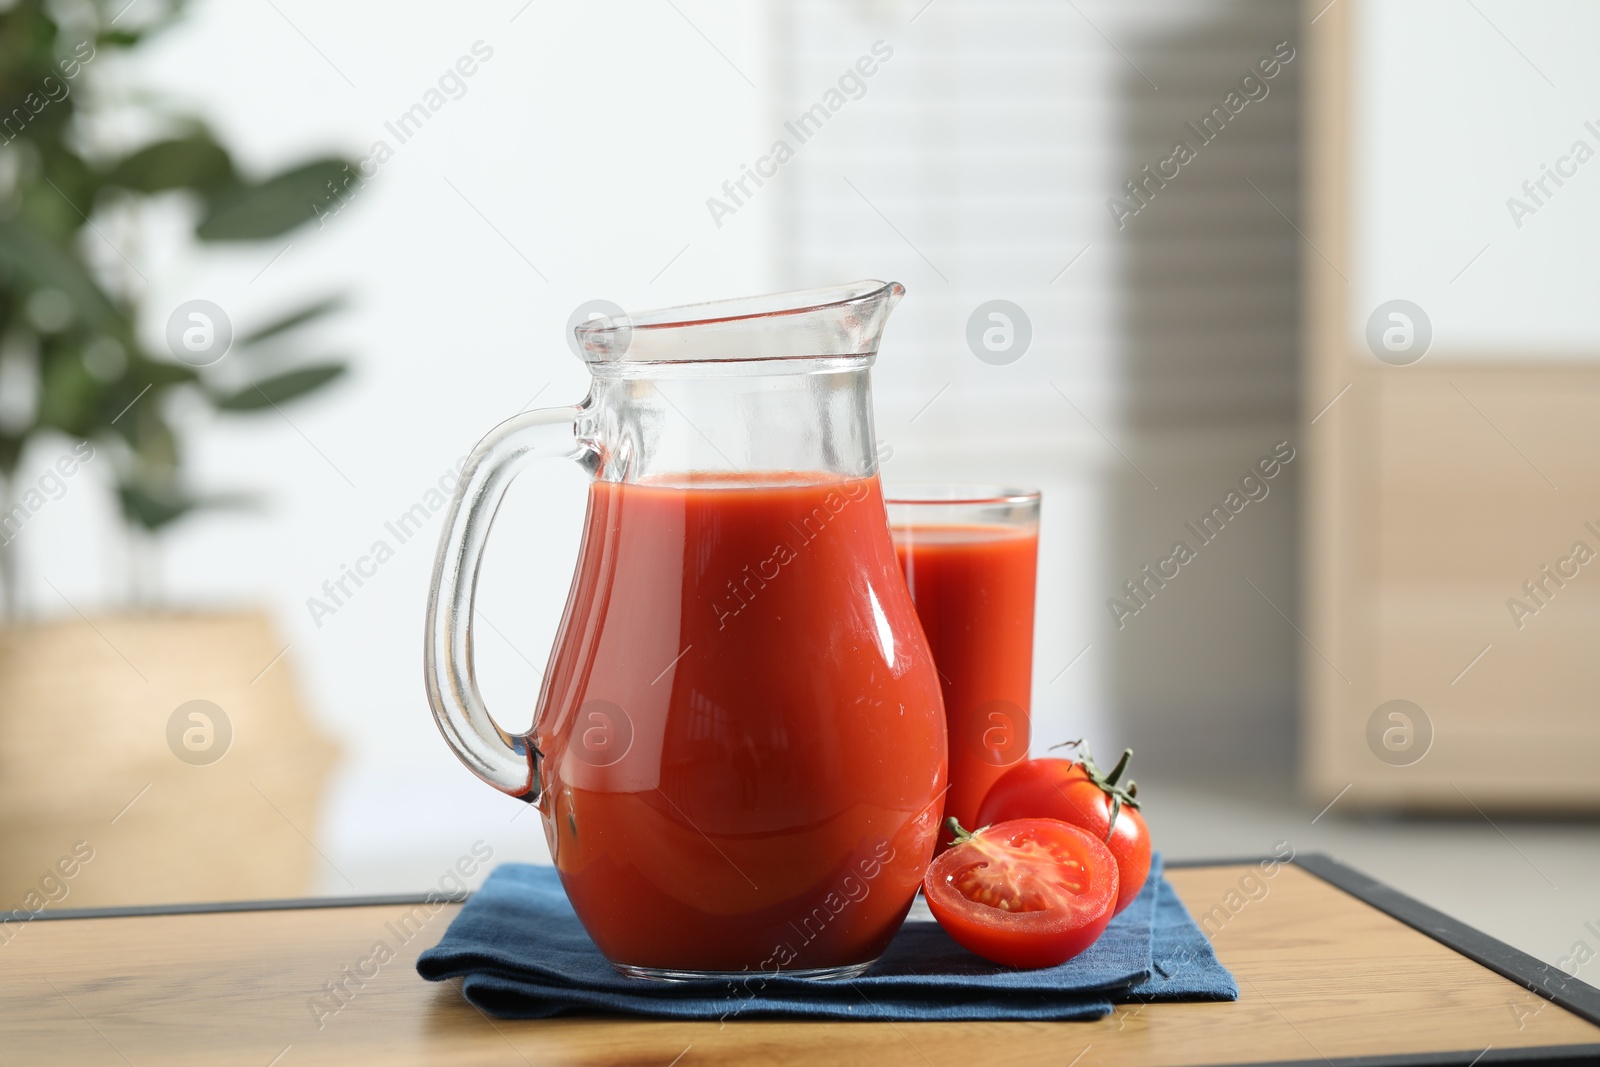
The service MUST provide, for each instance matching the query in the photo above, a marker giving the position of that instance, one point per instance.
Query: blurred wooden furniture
(1434, 493)
(1330, 966)
(90, 762)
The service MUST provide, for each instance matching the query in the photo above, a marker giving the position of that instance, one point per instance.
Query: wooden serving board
(1332, 968)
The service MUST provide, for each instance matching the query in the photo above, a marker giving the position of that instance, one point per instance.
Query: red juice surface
(974, 592)
(742, 729)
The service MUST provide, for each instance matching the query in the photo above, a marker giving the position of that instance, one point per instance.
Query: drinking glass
(970, 555)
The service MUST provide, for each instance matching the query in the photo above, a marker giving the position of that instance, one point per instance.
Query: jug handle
(509, 762)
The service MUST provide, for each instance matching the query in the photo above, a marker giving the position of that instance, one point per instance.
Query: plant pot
(170, 807)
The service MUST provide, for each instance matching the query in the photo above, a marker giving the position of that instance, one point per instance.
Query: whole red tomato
(1077, 792)
(1027, 893)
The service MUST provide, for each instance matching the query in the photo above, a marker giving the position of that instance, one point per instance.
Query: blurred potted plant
(87, 706)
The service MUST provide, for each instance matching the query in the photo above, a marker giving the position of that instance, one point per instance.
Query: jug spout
(895, 292)
(838, 322)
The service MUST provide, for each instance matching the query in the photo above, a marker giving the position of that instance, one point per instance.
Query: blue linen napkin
(1183, 965)
(521, 954)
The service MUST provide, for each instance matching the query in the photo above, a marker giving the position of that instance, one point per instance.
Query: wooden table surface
(1324, 976)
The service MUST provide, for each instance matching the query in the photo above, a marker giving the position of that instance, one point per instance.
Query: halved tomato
(1077, 792)
(1025, 893)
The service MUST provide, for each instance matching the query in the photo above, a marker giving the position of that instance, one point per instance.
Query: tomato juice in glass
(970, 558)
(741, 729)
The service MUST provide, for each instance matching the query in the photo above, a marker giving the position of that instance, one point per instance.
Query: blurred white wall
(1477, 171)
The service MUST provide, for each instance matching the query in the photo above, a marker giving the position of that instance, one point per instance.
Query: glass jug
(738, 749)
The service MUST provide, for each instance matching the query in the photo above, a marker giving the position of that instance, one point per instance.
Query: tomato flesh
(1061, 789)
(1025, 893)
(1027, 875)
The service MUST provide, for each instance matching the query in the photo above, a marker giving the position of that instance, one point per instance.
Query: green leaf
(68, 396)
(159, 372)
(10, 453)
(279, 204)
(153, 510)
(194, 162)
(44, 263)
(280, 388)
(156, 507)
(292, 320)
(69, 178)
(154, 443)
